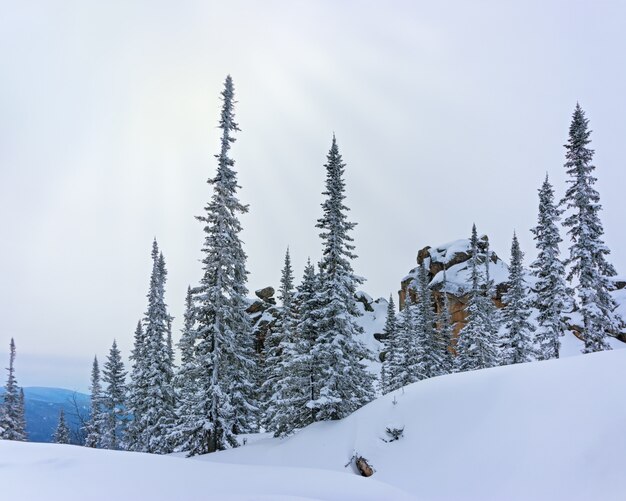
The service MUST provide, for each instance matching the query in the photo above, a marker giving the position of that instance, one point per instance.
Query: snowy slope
(34, 472)
(544, 430)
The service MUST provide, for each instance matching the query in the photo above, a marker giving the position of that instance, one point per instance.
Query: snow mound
(543, 430)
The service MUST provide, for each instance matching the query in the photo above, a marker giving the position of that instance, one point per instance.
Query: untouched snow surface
(543, 431)
(34, 472)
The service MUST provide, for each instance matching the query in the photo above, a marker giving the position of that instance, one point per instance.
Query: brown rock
(265, 293)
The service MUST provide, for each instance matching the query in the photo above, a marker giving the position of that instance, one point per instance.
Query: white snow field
(540, 431)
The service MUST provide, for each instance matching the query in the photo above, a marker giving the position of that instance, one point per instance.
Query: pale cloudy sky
(445, 112)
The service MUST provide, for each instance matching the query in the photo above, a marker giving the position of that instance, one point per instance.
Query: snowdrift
(544, 430)
(33, 472)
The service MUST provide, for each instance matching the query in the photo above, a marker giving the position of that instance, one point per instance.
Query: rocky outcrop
(263, 314)
(454, 259)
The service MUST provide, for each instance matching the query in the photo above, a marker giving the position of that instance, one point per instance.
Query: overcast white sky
(445, 112)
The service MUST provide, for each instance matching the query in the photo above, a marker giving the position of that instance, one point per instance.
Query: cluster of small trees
(311, 367)
(419, 345)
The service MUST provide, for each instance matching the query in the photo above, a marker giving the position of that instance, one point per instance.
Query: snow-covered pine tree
(390, 343)
(283, 382)
(11, 423)
(430, 347)
(94, 428)
(169, 345)
(225, 359)
(517, 345)
(400, 367)
(343, 382)
(114, 399)
(184, 380)
(445, 330)
(587, 258)
(154, 416)
(551, 295)
(306, 308)
(492, 318)
(476, 346)
(62, 432)
(136, 390)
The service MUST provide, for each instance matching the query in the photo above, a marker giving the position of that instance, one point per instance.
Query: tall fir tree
(153, 415)
(551, 294)
(62, 432)
(224, 356)
(95, 424)
(477, 343)
(390, 343)
(517, 346)
(114, 400)
(11, 421)
(344, 384)
(588, 253)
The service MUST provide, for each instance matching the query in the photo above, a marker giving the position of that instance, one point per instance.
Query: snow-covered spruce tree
(224, 355)
(94, 428)
(551, 295)
(153, 416)
(280, 380)
(62, 432)
(430, 347)
(306, 308)
(445, 330)
(477, 343)
(517, 345)
(492, 318)
(390, 343)
(343, 382)
(401, 366)
(184, 379)
(587, 258)
(136, 390)
(283, 382)
(114, 399)
(11, 423)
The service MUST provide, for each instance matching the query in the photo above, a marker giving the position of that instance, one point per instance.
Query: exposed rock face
(454, 258)
(263, 313)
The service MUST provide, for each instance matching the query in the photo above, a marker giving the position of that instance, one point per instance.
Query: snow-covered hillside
(545, 430)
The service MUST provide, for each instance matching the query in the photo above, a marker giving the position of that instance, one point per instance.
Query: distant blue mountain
(42, 407)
